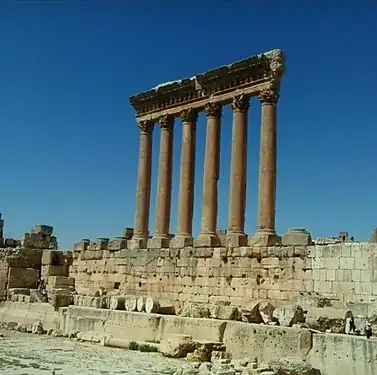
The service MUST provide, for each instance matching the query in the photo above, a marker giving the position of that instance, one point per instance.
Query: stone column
(143, 192)
(266, 235)
(238, 174)
(208, 236)
(161, 237)
(186, 182)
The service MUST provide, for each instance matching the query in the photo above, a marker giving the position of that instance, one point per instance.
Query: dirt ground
(26, 354)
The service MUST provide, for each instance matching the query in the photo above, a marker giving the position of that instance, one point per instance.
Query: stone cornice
(248, 76)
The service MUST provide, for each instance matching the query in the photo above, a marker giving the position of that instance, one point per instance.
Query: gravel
(27, 354)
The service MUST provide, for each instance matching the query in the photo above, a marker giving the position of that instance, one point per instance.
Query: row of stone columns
(265, 234)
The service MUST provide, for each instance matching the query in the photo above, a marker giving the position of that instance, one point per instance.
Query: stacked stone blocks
(238, 276)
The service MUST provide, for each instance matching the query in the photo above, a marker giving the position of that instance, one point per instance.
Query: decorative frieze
(224, 80)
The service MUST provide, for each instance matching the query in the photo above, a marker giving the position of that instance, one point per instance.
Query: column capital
(145, 126)
(212, 109)
(240, 103)
(166, 122)
(269, 96)
(189, 115)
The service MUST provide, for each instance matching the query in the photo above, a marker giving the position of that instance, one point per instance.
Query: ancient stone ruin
(234, 84)
(222, 295)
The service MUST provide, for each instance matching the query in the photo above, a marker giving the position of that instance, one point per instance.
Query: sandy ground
(26, 354)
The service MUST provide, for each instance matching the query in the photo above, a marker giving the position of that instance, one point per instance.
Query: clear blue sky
(69, 142)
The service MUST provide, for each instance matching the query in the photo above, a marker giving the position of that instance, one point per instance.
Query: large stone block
(264, 239)
(82, 245)
(52, 257)
(206, 240)
(43, 229)
(158, 243)
(117, 243)
(246, 340)
(338, 354)
(99, 244)
(60, 281)
(297, 237)
(180, 242)
(128, 233)
(198, 328)
(22, 277)
(235, 239)
(52, 270)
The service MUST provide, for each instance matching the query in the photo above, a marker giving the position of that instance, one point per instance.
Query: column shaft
(187, 174)
(267, 163)
(211, 170)
(143, 190)
(164, 183)
(238, 172)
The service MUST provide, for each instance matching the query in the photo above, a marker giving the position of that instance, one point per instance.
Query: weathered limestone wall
(343, 274)
(3, 279)
(29, 313)
(332, 354)
(19, 268)
(343, 355)
(137, 326)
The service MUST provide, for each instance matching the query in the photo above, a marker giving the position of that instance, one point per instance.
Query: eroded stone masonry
(244, 294)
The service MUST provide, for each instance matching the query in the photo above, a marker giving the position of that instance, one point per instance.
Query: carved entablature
(218, 85)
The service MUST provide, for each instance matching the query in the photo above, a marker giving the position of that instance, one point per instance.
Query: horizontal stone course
(241, 275)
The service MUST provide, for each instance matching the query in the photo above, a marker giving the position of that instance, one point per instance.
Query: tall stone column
(186, 183)
(208, 236)
(143, 191)
(238, 173)
(161, 237)
(266, 235)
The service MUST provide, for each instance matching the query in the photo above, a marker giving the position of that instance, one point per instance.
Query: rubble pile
(285, 366)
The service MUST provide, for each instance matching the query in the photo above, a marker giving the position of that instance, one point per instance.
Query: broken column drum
(233, 84)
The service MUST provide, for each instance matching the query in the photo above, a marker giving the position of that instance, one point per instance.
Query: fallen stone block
(225, 312)
(117, 303)
(37, 328)
(266, 310)
(291, 366)
(290, 315)
(131, 303)
(177, 346)
(192, 310)
(159, 306)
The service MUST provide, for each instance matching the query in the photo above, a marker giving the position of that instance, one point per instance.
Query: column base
(261, 238)
(158, 243)
(207, 240)
(236, 239)
(136, 243)
(181, 241)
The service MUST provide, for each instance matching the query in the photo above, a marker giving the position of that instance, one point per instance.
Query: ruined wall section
(338, 274)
